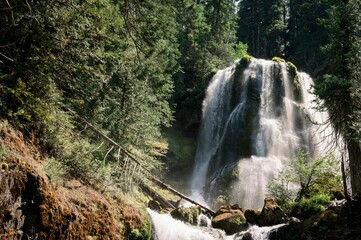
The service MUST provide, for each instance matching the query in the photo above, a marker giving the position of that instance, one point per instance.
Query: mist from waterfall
(255, 120)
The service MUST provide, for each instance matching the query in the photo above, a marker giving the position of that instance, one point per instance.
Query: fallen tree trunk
(144, 170)
(163, 202)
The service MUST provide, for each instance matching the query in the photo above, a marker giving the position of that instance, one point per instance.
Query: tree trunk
(354, 152)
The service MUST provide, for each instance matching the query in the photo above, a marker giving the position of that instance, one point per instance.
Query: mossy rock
(189, 215)
(278, 59)
(271, 213)
(230, 218)
(245, 60)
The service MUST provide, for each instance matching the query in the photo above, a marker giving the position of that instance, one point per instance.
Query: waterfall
(212, 125)
(254, 120)
(166, 228)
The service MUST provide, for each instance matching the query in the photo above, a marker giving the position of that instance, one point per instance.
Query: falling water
(167, 228)
(255, 120)
(220, 86)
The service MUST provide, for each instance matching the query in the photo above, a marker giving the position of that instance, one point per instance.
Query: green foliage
(305, 178)
(307, 33)
(144, 233)
(105, 60)
(221, 200)
(206, 39)
(241, 50)
(341, 90)
(55, 170)
(282, 189)
(180, 147)
(307, 207)
(262, 25)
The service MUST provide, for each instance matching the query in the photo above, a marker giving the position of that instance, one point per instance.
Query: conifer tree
(341, 90)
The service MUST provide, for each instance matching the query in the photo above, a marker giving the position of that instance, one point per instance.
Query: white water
(212, 126)
(257, 233)
(260, 145)
(167, 228)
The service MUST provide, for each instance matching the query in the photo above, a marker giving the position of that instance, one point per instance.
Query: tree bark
(354, 152)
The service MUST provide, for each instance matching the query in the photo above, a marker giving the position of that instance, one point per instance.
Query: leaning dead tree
(132, 160)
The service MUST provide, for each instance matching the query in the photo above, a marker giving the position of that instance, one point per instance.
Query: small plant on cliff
(55, 170)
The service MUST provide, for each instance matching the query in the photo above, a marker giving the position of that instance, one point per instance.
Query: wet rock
(243, 236)
(338, 194)
(252, 216)
(187, 214)
(271, 213)
(154, 205)
(203, 221)
(230, 219)
(293, 220)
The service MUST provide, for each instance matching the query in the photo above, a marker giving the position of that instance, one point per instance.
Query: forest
(137, 68)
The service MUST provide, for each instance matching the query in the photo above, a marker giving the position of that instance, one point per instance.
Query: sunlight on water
(167, 228)
(257, 122)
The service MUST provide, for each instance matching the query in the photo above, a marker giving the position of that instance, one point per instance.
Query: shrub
(55, 170)
(307, 207)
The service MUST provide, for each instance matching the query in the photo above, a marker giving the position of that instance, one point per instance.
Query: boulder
(271, 213)
(187, 214)
(243, 236)
(252, 216)
(154, 205)
(293, 220)
(230, 218)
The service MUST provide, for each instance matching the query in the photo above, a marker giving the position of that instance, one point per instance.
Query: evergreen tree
(207, 40)
(111, 62)
(262, 25)
(341, 90)
(307, 34)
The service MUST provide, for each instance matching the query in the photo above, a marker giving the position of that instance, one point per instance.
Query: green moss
(189, 215)
(140, 230)
(245, 60)
(243, 64)
(293, 67)
(239, 221)
(144, 233)
(278, 59)
(221, 200)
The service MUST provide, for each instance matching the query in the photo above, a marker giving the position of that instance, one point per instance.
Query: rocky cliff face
(30, 208)
(33, 210)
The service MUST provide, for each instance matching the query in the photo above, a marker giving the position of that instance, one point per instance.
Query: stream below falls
(167, 228)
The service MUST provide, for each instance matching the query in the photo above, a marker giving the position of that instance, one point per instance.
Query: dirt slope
(32, 209)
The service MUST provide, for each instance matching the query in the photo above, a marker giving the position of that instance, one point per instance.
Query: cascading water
(254, 120)
(167, 228)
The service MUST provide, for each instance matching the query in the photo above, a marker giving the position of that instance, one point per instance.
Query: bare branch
(11, 60)
(12, 12)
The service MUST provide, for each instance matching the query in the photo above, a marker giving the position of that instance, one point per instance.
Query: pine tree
(307, 34)
(341, 90)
